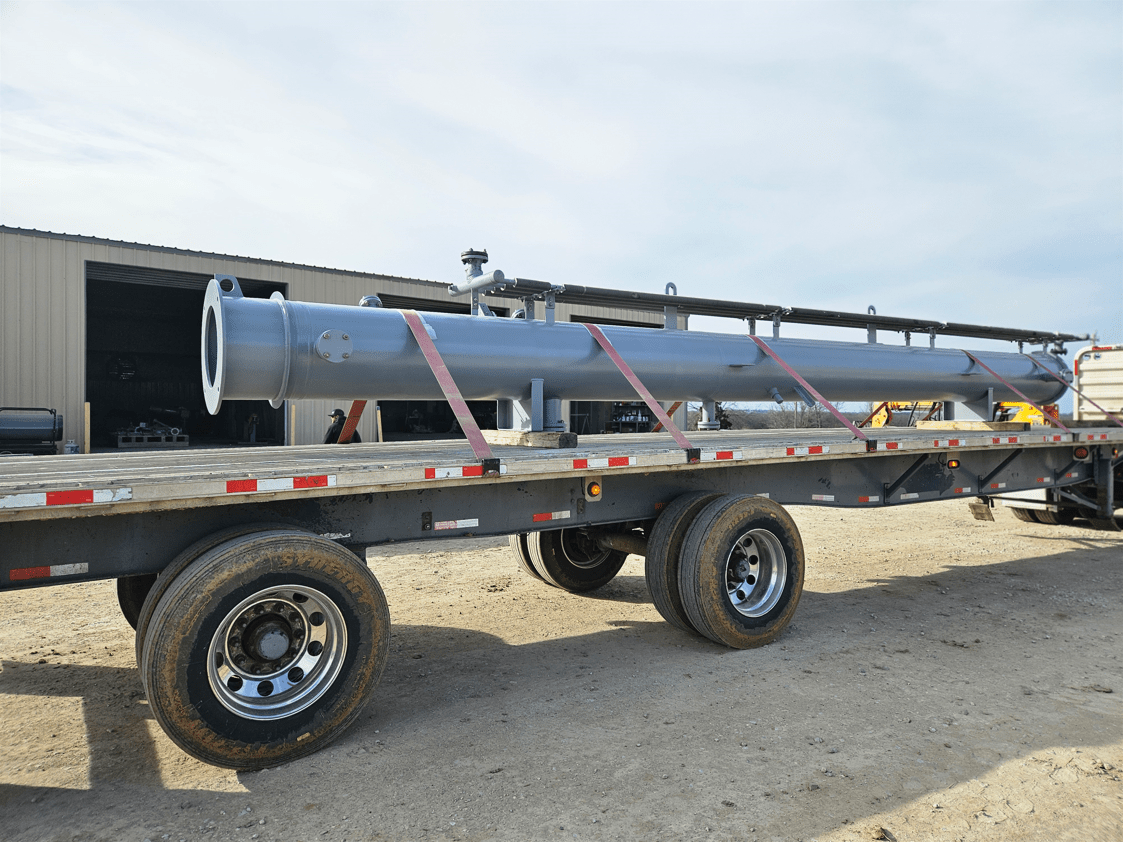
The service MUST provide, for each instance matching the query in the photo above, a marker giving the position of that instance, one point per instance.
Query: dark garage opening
(143, 363)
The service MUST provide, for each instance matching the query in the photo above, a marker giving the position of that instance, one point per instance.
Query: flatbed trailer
(260, 633)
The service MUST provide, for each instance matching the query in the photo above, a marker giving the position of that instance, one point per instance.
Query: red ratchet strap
(671, 411)
(352, 421)
(831, 407)
(448, 386)
(1015, 389)
(1055, 376)
(643, 392)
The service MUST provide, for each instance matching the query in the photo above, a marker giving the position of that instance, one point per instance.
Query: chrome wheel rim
(756, 571)
(277, 652)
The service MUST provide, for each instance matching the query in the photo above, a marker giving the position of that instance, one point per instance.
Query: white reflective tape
(22, 501)
(719, 455)
(456, 524)
(69, 569)
(823, 498)
(908, 495)
(280, 484)
(112, 495)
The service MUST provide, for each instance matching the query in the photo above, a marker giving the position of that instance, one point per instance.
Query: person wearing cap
(338, 419)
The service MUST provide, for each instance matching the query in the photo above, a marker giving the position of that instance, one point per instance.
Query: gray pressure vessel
(258, 349)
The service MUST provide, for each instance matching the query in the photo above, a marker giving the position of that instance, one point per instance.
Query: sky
(940, 160)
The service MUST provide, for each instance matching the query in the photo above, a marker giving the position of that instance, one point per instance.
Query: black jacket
(332, 435)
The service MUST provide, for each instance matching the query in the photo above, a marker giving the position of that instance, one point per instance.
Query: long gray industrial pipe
(258, 349)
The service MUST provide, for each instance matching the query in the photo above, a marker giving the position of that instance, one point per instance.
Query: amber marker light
(953, 463)
(593, 489)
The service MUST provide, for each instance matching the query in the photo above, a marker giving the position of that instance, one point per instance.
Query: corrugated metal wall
(43, 314)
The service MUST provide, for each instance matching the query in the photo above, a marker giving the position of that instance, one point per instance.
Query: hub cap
(277, 652)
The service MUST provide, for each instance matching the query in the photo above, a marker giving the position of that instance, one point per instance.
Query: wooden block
(518, 438)
(1009, 426)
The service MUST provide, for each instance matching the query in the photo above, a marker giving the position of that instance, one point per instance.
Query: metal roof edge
(82, 238)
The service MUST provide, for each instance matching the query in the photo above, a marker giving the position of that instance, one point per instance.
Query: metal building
(107, 333)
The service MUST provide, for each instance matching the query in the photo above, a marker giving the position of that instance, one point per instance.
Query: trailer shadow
(914, 674)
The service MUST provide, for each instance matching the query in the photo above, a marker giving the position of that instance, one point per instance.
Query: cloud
(953, 161)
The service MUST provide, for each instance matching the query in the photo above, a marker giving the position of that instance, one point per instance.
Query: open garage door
(143, 364)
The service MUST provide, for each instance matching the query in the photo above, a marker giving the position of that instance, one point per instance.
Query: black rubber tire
(131, 592)
(180, 563)
(1061, 518)
(196, 614)
(568, 559)
(708, 552)
(1027, 515)
(521, 552)
(664, 555)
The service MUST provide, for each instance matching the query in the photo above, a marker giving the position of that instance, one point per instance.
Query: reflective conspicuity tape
(1052, 438)
(910, 495)
(545, 516)
(872, 498)
(70, 497)
(997, 485)
(811, 450)
(22, 574)
(610, 462)
(823, 498)
(889, 445)
(946, 443)
(245, 486)
(965, 490)
(1004, 440)
(458, 472)
(719, 455)
(1094, 437)
(466, 523)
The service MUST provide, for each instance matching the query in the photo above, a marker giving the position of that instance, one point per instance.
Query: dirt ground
(943, 679)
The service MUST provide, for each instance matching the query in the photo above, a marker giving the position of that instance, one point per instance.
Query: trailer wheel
(1061, 518)
(265, 649)
(741, 575)
(571, 560)
(522, 553)
(179, 564)
(664, 555)
(1027, 515)
(131, 591)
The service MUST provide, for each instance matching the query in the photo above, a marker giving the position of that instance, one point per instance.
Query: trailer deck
(33, 488)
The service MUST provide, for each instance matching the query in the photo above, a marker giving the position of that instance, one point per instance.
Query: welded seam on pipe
(637, 384)
(1072, 386)
(448, 386)
(830, 406)
(1016, 390)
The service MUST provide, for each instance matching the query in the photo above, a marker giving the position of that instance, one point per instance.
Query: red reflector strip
(873, 498)
(66, 498)
(892, 445)
(946, 443)
(1004, 440)
(812, 450)
(1045, 479)
(544, 516)
(467, 523)
(245, 486)
(610, 462)
(24, 573)
(1094, 437)
(998, 485)
(1070, 475)
(965, 490)
(1050, 438)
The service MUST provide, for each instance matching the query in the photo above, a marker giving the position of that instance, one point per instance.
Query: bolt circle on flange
(756, 571)
(277, 652)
